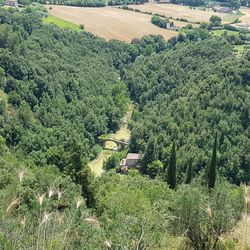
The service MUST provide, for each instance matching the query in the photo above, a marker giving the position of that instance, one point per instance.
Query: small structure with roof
(131, 162)
(225, 10)
(11, 3)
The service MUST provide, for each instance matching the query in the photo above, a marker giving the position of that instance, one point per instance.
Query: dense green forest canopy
(85, 3)
(60, 90)
(186, 95)
(58, 97)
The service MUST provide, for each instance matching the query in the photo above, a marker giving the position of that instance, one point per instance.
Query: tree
(189, 175)
(245, 117)
(155, 168)
(80, 172)
(148, 156)
(215, 21)
(171, 175)
(212, 168)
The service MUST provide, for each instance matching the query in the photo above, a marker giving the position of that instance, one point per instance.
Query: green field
(61, 23)
(221, 32)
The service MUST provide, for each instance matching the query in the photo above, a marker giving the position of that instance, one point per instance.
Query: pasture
(111, 23)
(61, 23)
(179, 11)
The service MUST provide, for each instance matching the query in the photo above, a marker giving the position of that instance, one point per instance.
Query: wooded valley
(61, 89)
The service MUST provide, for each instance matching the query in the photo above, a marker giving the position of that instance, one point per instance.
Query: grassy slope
(61, 23)
(220, 32)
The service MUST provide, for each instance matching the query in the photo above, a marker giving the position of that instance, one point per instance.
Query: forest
(84, 3)
(60, 90)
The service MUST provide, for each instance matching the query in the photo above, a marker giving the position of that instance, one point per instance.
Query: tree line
(60, 90)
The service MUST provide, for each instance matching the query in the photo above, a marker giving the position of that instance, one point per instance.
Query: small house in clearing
(131, 162)
(11, 3)
(225, 10)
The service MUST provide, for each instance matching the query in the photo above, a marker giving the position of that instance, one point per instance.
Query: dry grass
(245, 19)
(241, 233)
(178, 11)
(111, 23)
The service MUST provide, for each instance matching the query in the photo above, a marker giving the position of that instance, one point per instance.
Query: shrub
(205, 216)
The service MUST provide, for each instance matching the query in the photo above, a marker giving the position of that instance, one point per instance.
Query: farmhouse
(131, 162)
(223, 9)
(11, 3)
(163, 1)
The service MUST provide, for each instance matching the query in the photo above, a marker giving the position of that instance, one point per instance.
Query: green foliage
(135, 207)
(171, 174)
(204, 217)
(162, 23)
(187, 94)
(148, 156)
(90, 3)
(215, 21)
(188, 2)
(114, 160)
(189, 174)
(62, 23)
(148, 45)
(213, 164)
(61, 90)
(155, 168)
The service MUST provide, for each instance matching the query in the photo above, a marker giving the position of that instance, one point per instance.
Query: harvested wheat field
(111, 23)
(245, 19)
(179, 11)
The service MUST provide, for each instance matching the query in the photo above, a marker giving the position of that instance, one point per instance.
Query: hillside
(61, 89)
(186, 95)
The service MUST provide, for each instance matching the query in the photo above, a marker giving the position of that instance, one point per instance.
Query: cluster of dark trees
(60, 90)
(161, 22)
(234, 4)
(63, 90)
(245, 2)
(186, 95)
(85, 3)
(188, 2)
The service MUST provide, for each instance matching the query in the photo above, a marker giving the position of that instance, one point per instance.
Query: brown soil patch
(111, 23)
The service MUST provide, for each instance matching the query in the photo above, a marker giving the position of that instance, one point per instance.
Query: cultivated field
(245, 20)
(178, 11)
(112, 23)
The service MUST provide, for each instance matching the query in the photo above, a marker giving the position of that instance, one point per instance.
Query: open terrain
(111, 23)
(178, 11)
(245, 19)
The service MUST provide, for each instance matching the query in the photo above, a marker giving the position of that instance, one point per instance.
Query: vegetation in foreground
(61, 90)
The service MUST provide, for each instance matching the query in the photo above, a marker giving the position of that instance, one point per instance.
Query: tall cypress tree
(171, 175)
(148, 155)
(212, 168)
(189, 175)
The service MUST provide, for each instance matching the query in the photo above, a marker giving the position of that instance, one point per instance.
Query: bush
(160, 22)
(114, 160)
(202, 216)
